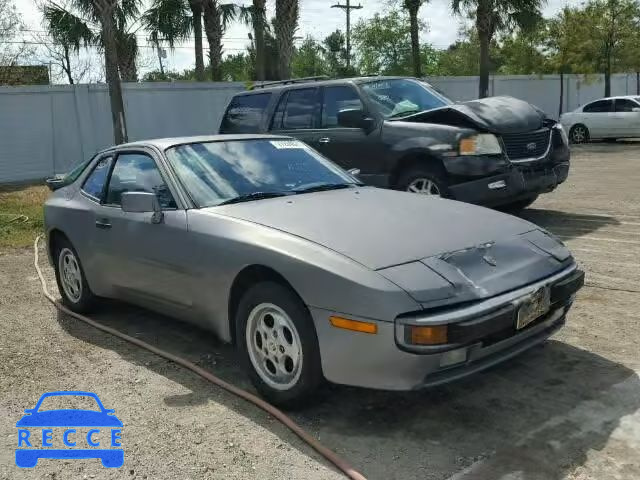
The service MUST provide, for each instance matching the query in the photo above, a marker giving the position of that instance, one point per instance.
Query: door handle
(103, 223)
(324, 140)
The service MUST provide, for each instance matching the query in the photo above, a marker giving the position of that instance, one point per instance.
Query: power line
(347, 8)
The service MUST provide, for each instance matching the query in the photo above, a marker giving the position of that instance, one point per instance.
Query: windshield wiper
(405, 113)
(326, 186)
(247, 197)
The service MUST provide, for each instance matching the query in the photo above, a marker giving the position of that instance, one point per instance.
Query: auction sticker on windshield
(53, 430)
(284, 144)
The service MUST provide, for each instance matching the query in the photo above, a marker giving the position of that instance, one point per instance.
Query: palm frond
(67, 28)
(228, 12)
(169, 20)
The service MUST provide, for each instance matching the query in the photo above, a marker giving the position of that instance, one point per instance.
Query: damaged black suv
(401, 133)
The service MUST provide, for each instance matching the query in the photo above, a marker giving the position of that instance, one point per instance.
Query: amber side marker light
(468, 146)
(435, 335)
(354, 325)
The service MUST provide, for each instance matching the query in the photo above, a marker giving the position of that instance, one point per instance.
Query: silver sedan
(311, 274)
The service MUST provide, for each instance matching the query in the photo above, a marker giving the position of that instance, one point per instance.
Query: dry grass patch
(21, 214)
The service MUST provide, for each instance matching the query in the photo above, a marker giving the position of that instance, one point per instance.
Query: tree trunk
(113, 78)
(196, 11)
(213, 31)
(66, 64)
(607, 76)
(561, 92)
(415, 42)
(637, 83)
(286, 23)
(485, 65)
(258, 18)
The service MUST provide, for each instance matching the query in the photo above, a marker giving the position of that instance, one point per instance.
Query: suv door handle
(324, 140)
(103, 223)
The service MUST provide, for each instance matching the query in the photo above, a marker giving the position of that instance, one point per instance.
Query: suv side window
(598, 107)
(244, 113)
(137, 172)
(299, 109)
(335, 100)
(625, 105)
(94, 184)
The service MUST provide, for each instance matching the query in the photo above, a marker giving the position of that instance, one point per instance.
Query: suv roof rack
(291, 80)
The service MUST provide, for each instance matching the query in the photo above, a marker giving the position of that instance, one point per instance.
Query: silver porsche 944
(311, 274)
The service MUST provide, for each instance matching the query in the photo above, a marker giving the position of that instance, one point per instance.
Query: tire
(518, 206)
(424, 178)
(79, 299)
(265, 312)
(579, 133)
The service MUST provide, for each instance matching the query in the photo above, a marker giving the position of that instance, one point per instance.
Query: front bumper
(489, 337)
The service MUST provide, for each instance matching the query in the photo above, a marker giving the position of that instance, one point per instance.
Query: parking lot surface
(569, 409)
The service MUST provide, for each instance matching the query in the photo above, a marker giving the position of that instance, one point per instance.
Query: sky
(317, 19)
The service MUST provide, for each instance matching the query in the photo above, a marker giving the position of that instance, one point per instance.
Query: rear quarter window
(244, 114)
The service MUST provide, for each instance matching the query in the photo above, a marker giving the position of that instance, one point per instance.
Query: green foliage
(308, 59)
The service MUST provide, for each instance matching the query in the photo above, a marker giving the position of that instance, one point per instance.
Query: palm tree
(216, 19)
(104, 21)
(492, 16)
(413, 6)
(286, 23)
(255, 16)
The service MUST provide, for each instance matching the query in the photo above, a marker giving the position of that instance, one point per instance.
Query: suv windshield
(243, 170)
(403, 96)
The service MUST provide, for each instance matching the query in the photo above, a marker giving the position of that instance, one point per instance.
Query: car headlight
(481, 144)
(563, 134)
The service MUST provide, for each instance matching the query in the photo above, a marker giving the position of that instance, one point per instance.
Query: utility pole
(347, 7)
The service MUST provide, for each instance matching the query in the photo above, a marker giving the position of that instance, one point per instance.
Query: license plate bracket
(534, 306)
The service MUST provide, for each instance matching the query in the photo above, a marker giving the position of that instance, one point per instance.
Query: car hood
(379, 228)
(69, 418)
(494, 114)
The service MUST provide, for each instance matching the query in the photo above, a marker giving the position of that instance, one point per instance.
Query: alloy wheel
(579, 134)
(274, 346)
(423, 186)
(70, 275)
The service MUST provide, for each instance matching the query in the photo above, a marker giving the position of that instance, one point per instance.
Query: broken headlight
(481, 144)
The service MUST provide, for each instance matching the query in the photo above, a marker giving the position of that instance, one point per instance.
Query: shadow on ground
(568, 225)
(538, 415)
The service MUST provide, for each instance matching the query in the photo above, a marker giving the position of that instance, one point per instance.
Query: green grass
(15, 231)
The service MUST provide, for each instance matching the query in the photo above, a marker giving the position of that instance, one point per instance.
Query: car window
(244, 113)
(94, 184)
(66, 402)
(137, 172)
(403, 96)
(299, 112)
(598, 107)
(625, 105)
(335, 100)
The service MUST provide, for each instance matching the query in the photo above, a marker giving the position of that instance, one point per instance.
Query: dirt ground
(569, 409)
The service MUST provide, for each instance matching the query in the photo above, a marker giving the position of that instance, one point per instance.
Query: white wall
(48, 129)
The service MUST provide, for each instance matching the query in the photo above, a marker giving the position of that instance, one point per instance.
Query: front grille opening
(527, 144)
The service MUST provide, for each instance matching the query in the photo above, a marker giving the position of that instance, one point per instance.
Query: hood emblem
(490, 260)
(531, 146)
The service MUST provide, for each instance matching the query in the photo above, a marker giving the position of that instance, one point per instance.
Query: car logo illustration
(36, 430)
(531, 146)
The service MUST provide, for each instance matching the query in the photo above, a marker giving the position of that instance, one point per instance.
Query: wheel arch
(245, 279)
(412, 159)
(55, 235)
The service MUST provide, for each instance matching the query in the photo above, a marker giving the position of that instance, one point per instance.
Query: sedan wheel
(274, 346)
(423, 186)
(579, 134)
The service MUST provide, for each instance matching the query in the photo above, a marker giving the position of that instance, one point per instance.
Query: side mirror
(354, 118)
(635, 109)
(142, 202)
(54, 183)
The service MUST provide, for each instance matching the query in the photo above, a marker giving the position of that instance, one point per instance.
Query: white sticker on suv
(282, 144)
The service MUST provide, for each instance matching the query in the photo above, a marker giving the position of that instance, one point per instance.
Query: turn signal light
(434, 335)
(355, 325)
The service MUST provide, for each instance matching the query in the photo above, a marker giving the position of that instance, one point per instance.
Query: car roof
(257, 89)
(168, 142)
(614, 98)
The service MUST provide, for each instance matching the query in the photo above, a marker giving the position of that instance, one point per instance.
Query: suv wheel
(423, 180)
(278, 344)
(72, 283)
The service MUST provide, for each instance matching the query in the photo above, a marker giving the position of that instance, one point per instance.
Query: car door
(297, 115)
(597, 117)
(349, 147)
(626, 121)
(145, 261)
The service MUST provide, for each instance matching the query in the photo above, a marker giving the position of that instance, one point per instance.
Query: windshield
(403, 96)
(219, 172)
